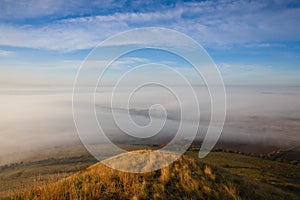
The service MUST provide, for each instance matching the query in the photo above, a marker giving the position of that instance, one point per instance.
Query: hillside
(186, 178)
(291, 154)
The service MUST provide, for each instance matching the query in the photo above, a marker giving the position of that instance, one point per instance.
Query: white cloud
(245, 74)
(52, 37)
(4, 53)
(211, 23)
(39, 118)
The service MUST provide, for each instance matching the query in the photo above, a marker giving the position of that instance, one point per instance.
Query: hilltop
(186, 178)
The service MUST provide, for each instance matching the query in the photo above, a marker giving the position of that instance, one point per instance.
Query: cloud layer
(53, 25)
(37, 119)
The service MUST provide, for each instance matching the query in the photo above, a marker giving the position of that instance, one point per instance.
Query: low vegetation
(26, 174)
(285, 176)
(186, 178)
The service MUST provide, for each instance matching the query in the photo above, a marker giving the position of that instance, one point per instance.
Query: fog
(39, 118)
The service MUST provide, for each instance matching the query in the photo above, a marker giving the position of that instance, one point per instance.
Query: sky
(252, 42)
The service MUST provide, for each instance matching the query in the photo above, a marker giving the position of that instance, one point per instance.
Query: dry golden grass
(209, 173)
(232, 190)
(186, 178)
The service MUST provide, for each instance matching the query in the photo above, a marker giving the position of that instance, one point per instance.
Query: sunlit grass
(186, 178)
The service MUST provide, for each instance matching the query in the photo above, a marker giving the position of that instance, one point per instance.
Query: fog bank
(36, 119)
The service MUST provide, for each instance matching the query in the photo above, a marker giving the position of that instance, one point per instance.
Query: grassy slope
(187, 178)
(281, 175)
(40, 172)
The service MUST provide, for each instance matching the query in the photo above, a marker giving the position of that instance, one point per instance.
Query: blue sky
(252, 42)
